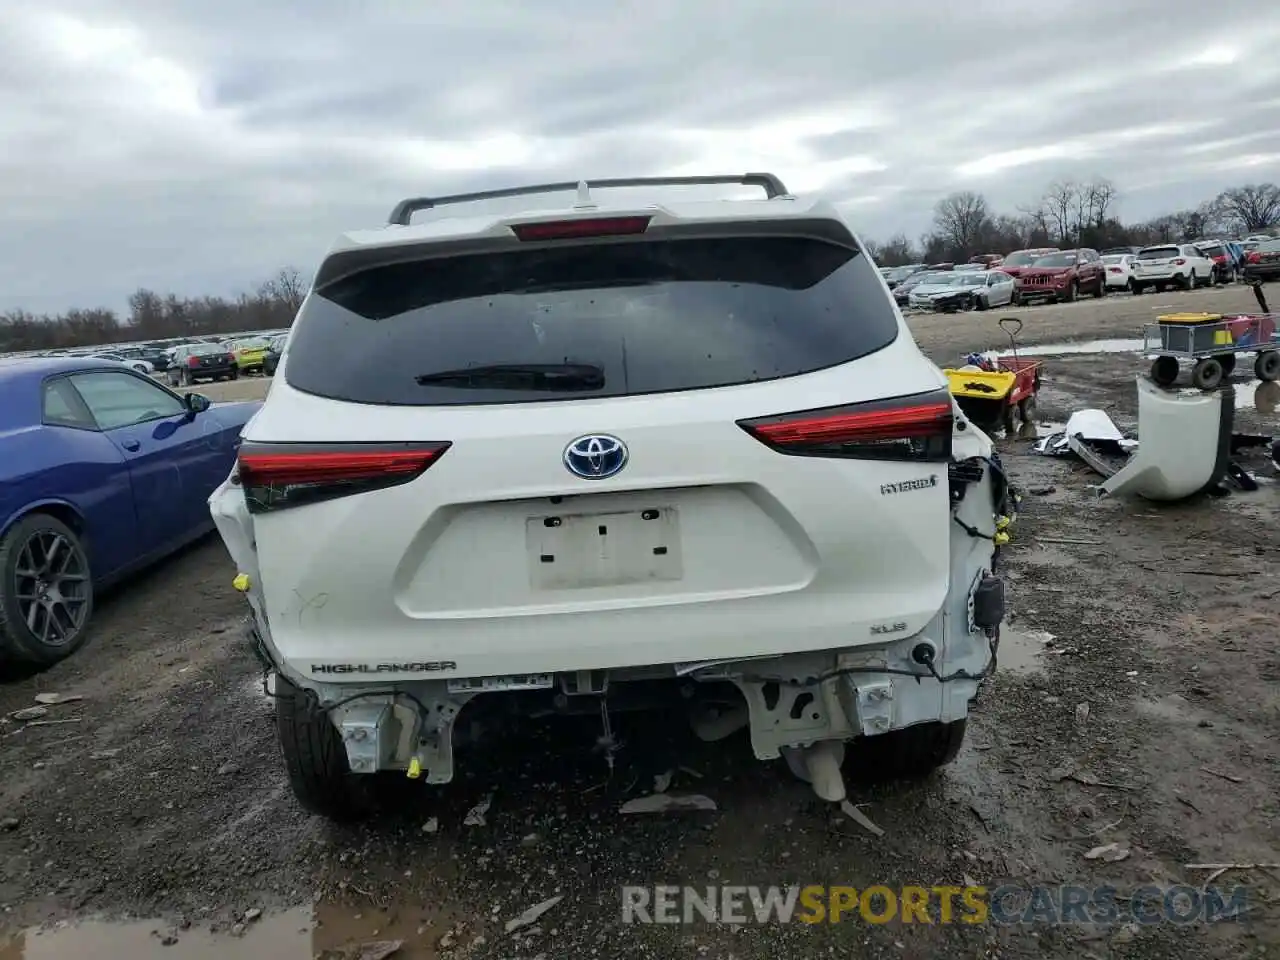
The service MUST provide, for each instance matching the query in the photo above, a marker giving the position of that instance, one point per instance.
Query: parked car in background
(193, 362)
(1171, 265)
(902, 292)
(1262, 263)
(1114, 251)
(897, 275)
(249, 353)
(271, 359)
(157, 356)
(1062, 276)
(102, 471)
(988, 261)
(966, 290)
(1119, 270)
(1019, 260)
(1224, 264)
(142, 366)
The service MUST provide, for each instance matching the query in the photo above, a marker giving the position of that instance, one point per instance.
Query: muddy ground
(160, 795)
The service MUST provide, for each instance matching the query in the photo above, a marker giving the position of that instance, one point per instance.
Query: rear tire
(316, 760)
(1102, 287)
(1207, 374)
(1267, 366)
(70, 577)
(912, 753)
(1164, 371)
(1136, 288)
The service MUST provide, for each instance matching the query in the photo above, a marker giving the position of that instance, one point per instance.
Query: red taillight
(576, 229)
(275, 476)
(1253, 257)
(916, 427)
(1114, 270)
(193, 361)
(1219, 259)
(1179, 262)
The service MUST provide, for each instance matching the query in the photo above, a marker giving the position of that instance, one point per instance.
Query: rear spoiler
(405, 209)
(342, 264)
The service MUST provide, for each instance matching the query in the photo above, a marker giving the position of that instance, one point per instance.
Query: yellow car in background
(250, 353)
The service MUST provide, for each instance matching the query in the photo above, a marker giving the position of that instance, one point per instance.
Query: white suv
(1171, 265)
(613, 455)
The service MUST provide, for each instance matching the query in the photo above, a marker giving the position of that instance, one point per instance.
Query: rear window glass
(588, 321)
(1020, 258)
(1268, 246)
(1067, 259)
(200, 349)
(1159, 253)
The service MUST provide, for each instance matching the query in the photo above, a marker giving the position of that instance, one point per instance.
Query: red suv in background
(1062, 276)
(1019, 260)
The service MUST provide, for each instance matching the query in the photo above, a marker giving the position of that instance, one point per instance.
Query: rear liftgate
(803, 707)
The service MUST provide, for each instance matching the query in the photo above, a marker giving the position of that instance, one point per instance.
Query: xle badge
(924, 483)
(882, 628)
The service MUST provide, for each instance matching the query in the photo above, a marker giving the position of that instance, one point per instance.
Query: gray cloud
(195, 147)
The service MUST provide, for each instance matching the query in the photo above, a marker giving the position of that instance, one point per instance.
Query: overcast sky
(196, 146)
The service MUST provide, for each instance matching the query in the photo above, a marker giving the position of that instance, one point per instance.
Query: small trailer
(1211, 343)
(992, 391)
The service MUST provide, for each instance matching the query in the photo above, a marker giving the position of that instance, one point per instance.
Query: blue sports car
(102, 471)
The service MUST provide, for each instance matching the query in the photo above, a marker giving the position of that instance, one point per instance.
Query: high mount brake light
(914, 428)
(577, 229)
(277, 476)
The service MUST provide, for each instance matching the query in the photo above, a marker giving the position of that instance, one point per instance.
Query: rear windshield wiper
(519, 376)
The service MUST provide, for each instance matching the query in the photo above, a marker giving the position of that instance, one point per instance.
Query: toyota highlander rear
(549, 455)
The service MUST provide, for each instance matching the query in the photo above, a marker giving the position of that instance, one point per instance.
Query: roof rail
(405, 209)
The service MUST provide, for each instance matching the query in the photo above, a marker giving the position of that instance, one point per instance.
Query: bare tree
(1058, 203)
(961, 219)
(897, 251)
(1036, 216)
(1100, 194)
(287, 287)
(1255, 206)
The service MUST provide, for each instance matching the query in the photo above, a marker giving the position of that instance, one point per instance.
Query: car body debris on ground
(1127, 740)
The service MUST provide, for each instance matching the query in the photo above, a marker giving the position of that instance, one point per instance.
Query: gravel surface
(161, 795)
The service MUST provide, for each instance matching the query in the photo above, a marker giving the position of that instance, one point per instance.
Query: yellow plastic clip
(241, 582)
(1001, 538)
(1002, 523)
(415, 769)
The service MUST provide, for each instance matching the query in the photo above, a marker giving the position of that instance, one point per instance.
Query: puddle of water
(1021, 651)
(1130, 345)
(327, 933)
